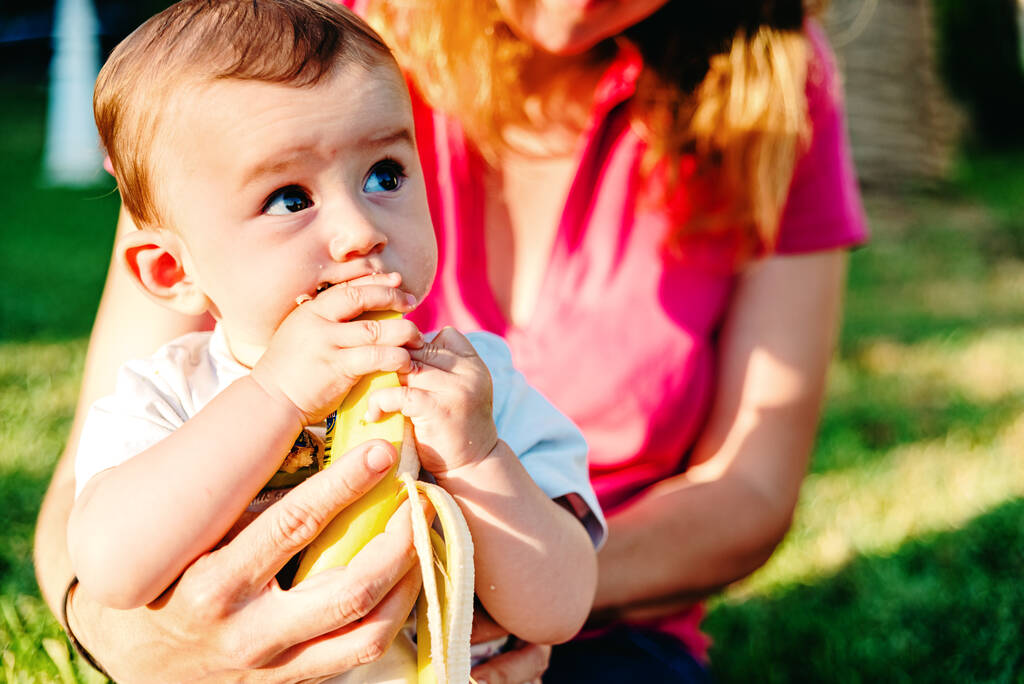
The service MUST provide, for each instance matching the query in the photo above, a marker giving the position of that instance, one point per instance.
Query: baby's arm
(136, 526)
(536, 568)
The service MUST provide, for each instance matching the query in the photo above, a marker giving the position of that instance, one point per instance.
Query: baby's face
(280, 191)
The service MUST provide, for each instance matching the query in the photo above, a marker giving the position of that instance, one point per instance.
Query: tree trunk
(903, 127)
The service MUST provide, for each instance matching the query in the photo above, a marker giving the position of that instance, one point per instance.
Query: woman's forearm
(50, 553)
(682, 541)
(689, 535)
(535, 563)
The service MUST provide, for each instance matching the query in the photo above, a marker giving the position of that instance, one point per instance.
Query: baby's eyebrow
(389, 138)
(294, 155)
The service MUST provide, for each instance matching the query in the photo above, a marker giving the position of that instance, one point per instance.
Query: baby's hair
(294, 42)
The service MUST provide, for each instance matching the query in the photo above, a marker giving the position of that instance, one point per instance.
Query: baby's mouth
(304, 297)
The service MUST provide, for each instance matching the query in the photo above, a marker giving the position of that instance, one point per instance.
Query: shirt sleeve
(823, 209)
(142, 411)
(548, 444)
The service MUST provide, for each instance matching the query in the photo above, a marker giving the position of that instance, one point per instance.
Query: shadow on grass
(929, 270)
(861, 427)
(21, 492)
(947, 607)
(907, 324)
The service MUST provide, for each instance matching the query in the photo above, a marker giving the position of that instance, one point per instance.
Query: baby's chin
(245, 353)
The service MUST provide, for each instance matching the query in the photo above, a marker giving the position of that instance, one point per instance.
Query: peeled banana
(445, 607)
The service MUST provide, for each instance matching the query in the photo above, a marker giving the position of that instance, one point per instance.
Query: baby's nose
(356, 240)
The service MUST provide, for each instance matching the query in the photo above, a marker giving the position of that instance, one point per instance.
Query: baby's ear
(158, 261)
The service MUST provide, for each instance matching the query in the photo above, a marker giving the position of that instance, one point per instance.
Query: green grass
(54, 247)
(905, 559)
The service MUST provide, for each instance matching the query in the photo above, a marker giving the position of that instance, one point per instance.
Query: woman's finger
(484, 626)
(342, 596)
(250, 560)
(524, 664)
(355, 644)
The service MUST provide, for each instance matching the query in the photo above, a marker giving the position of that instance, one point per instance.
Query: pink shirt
(623, 338)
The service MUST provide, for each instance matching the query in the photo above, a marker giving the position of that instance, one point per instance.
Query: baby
(265, 149)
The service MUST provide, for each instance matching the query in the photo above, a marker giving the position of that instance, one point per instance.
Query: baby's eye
(287, 200)
(385, 176)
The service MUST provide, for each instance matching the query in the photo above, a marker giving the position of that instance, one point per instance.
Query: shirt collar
(227, 365)
(620, 79)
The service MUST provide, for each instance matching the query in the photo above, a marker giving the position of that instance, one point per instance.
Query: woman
(651, 202)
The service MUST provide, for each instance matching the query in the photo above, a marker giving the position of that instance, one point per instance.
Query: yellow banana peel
(445, 606)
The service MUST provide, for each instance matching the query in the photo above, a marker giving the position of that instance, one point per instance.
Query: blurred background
(906, 558)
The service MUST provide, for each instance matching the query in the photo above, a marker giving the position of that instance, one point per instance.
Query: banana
(445, 607)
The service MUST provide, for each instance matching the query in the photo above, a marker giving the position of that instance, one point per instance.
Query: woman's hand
(227, 619)
(524, 663)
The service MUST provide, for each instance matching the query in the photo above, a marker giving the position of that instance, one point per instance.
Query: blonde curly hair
(723, 87)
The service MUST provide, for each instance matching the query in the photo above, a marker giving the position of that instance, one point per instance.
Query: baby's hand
(447, 395)
(318, 352)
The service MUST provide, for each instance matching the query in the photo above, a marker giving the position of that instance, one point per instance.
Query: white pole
(72, 154)
(1020, 29)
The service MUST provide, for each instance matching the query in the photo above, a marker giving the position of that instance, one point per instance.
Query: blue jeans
(625, 654)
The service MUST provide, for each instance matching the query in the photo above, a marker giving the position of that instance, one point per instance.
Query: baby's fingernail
(410, 299)
(378, 459)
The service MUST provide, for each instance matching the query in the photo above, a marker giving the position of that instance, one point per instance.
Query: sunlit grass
(904, 560)
(986, 367)
(914, 490)
(936, 483)
(52, 261)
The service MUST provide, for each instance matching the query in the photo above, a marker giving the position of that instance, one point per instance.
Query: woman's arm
(128, 325)
(694, 533)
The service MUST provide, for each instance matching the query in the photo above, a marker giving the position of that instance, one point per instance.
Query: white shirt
(155, 396)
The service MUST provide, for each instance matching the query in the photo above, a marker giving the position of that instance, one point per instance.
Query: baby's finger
(411, 402)
(395, 332)
(359, 361)
(452, 340)
(392, 279)
(345, 302)
(430, 355)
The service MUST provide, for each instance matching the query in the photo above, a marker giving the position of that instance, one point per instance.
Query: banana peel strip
(449, 607)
